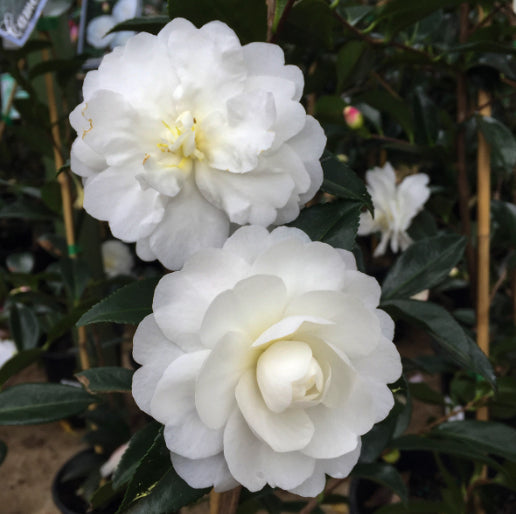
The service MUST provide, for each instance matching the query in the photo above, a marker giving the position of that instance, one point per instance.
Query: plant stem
(462, 176)
(484, 202)
(66, 195)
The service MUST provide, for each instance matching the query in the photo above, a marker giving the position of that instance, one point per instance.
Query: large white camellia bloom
(183, 133)
(266, 360)
(395, 206)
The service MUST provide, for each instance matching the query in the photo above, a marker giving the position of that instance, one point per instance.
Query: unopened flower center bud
(289, 375)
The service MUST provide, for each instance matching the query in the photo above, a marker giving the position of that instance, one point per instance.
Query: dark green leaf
(423, 265)
(425, 118)
(441, 325)
(423, 392)
(31, 404)
(138, 447)
(103, 495)
(489, 436)
(67, 322)
(279, 10)
(342, 181)
(310, 21)
(24, 326)
(75, 275)
(129, 304)
(109, 379)
(151, 24)
(396, 108)
(27, 211)
(504, 223)
(464, 449)
(18, 362)
(22, 262)
(500, 139)
(401, 14)
(384, 474)
(248, 19)
(347, 60)
(155, 486)
(334, 223)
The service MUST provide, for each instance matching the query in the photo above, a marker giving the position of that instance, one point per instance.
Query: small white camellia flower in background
(7, 350)
(266, 360)
(395, 206)
(183, 133)
(98, 28)
(117, 258)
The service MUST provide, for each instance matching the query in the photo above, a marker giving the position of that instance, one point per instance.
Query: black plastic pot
(70, 478)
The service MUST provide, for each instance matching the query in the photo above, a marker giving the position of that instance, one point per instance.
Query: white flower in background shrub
(7, 350)
(109, 467)
(116, 258)
(183, 133)
(98, 28)
(266, 361)
(395, 206)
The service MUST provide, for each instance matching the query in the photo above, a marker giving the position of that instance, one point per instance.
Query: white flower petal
(241, 448)
(201, 473)
(192, 439)
(318, 263)
(217, 380)
(179, 236)
(384, 364)
(115, 196)
(287, 431)
(251, 306)
(174, 395)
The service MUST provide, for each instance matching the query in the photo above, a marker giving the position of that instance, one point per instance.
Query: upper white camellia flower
(183, 133)
(394, 206)
(116, 258)
(266, 360)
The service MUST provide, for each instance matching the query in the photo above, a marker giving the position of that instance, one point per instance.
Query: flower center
(289, 376)
(179, 143)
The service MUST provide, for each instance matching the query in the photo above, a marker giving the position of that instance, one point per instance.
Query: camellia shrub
(277, 241)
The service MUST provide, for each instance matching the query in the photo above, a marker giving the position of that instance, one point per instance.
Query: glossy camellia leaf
(248, 19)
(342, 181)
(108, 379)
(24, 326)
(31, 404)
(132, 457)
(441, 325)
(384, 474)
(500, 139)
(129, 304)
(151, 24)
(335, 223)
(18, 362)
(489, 436)
(155, 486)
(431, 443)
(423, 265)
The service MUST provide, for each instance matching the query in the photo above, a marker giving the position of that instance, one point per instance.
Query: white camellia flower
(266, 360)
(183, 133)
(395, 206)
(116, 258)
(98, 28)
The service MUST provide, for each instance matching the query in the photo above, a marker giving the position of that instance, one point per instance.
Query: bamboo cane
(484, 200)
(224, 503)
(64, 182)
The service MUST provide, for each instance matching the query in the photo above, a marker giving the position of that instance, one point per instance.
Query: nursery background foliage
(435, 86)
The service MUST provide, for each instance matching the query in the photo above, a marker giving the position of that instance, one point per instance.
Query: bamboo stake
(224, 503)
(64, 182)
(484, 201)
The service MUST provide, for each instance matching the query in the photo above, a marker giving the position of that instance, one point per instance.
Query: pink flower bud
(353, 117)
